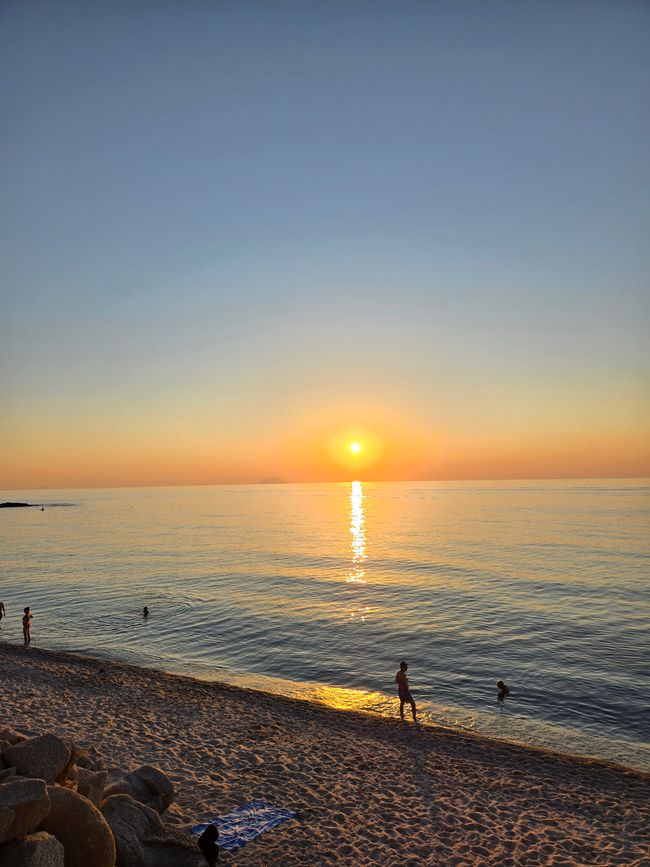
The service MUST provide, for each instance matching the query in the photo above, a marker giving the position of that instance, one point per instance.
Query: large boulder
(78, 824)
(29, 802)
(91, 784)
(36, 850)
(47, 757)
(147, 785)
(143, 841)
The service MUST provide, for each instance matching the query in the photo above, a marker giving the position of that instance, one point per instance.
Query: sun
(355, 448)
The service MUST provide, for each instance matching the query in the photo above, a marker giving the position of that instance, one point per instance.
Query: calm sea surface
(320, 591)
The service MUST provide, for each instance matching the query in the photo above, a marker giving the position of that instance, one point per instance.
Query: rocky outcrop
(141, 838)
(147, 785)
(35, 850)
(91, 784)
(82, 829)
(29, 802)
(50, 792)
(47, 757)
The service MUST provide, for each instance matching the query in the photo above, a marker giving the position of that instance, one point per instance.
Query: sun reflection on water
(358, 531)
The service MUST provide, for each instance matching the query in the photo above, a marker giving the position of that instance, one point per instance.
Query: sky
(235, 235)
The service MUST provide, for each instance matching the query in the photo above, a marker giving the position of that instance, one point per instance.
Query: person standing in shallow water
(27, 625)
(404, 691)
(3, 612)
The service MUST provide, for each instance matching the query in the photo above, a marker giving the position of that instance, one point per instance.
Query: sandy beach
(368, 790)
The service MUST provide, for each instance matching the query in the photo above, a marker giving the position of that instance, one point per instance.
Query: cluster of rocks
(58, 809)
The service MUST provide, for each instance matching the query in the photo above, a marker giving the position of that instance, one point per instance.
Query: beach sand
(368, 790)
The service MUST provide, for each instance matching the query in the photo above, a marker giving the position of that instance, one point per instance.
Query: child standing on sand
(27, 617)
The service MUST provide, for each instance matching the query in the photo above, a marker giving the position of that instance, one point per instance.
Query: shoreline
(299, 703)
(368, 789)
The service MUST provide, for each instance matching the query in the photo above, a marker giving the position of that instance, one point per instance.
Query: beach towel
(245, 823)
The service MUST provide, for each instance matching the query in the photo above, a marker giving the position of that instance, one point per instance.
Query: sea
(318, 591)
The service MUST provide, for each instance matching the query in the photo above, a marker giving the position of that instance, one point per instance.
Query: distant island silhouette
(16, 505)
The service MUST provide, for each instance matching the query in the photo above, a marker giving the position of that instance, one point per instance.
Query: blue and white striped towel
(244, 823)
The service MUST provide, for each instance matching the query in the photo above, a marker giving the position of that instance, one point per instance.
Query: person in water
(403, 691)
(207, 843)
(503, 690)
(145, 611)
(27, 618)
(3, 612)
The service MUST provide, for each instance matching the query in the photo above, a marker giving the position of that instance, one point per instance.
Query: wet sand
(368, 790)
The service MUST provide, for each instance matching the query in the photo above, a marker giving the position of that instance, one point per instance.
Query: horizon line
(266, 484)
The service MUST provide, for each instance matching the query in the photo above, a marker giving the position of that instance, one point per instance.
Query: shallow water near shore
(318, 591)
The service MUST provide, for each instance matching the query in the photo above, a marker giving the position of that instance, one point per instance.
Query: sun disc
(355, 448)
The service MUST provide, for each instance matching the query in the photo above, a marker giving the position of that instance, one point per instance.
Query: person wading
(404, 692)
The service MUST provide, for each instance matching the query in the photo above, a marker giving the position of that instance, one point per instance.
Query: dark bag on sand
(207, 843)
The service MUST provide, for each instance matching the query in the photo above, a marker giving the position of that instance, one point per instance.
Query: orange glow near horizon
(394, 444)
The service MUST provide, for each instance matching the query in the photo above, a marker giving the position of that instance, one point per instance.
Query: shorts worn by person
(404, 692)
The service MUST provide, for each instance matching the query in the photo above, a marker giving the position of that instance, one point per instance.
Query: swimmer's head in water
(403, 665)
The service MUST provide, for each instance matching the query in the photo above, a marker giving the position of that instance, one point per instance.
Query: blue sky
(277, 208)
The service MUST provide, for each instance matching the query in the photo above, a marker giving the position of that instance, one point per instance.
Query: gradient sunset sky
(233, 231)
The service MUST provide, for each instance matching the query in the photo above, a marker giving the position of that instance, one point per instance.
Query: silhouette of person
(208, 845)
(145, 611)
(3, 612)
(403, 691)
(27, 617)
(503, 690)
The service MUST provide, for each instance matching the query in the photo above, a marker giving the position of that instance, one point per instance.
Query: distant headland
(17, 506)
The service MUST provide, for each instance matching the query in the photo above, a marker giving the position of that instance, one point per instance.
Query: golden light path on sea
(358, 531)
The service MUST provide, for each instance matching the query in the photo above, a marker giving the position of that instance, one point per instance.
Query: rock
(28, 800)
(142, 840)
(7, 817)
(131, 823)
(78, 824)
(173, 848)
(89, 759)
(47, 757)
(11, 735)
(147, 785)
(7, 773)
(91, 784)
(36, 850)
